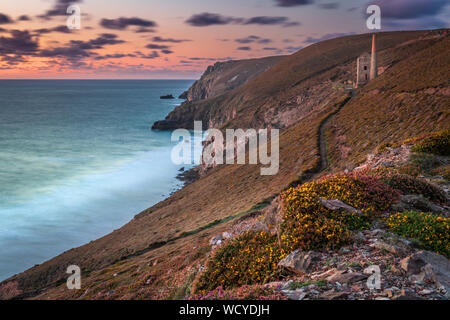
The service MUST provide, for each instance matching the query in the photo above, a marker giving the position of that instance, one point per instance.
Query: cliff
(157, 254)
(217, 80)
(226, 76)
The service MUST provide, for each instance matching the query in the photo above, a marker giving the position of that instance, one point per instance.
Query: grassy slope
(411, 98)
(227, 190)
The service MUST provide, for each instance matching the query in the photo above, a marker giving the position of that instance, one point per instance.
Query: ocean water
(78, 160)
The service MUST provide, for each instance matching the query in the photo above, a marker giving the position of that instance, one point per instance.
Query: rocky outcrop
(225, 76)
(300, 262)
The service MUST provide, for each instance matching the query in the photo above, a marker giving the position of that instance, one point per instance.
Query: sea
(78, 159)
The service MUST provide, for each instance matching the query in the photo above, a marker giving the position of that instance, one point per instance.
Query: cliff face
(226, 76)
(146, 257)
(218, 79)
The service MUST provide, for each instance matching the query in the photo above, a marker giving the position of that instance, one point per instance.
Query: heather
(255, 292)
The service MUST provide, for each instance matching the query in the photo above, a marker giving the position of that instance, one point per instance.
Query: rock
(406, 294)
(183, 96)
(426, 265)
(359, 236)
(300, 262)
(337, 204)
(226, 235)
(346, 250)
(419, 203)
(169, 96)
(412, 264)
(167, 125)
(334, 295)
(216, 240)
(426, 292)
(347, 278)
(294, 294)
(381, 245)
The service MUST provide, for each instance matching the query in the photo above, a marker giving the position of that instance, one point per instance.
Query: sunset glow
(177, 39)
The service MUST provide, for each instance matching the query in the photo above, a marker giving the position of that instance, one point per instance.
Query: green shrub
(432, 231)
(437, 143)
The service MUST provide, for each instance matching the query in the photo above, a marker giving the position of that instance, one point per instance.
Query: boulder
(420, 203)
(216, 240)
(334, 295)
(337, 205)
(347, 278)
(429, 266)
(300, 262)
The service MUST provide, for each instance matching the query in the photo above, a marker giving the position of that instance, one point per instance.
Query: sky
(178, 39)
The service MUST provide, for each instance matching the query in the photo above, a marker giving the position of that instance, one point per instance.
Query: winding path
(322, 137)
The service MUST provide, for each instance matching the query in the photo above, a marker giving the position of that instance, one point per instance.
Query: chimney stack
(374, 62)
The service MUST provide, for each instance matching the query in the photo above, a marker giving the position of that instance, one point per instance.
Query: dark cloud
(157, 46)
(244, 48)
(266, 20)
(77, 49)
(144, 30)
(115, 56)
(292, 3)
(291, 24)
(249, 39)
(24, 18)
(208, 19)
(427, 22)
(12, 60)
(411, 14)
(152, 55)
(20, 43)
(62, 29)
(253, 39)
(59, 8)
(329, 6)
(327, 37)
(5, 19)
(123, 23)
(270, 49)
(409, 9)
(166, 51)
(170, 40)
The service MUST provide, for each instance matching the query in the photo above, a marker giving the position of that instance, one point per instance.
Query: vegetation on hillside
(432, 231)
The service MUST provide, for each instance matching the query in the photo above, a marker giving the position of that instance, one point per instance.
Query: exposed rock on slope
(217, 80)
(225, 76)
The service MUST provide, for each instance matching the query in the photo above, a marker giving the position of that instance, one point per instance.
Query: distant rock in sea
(169, 96)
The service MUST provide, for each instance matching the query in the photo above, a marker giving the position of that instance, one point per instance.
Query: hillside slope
(226, 76)
(159, 248)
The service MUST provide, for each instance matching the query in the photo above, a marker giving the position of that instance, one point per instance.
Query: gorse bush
(432, 232)
(250, 258)
(309, 225)
(437, 143)
(253, 257)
